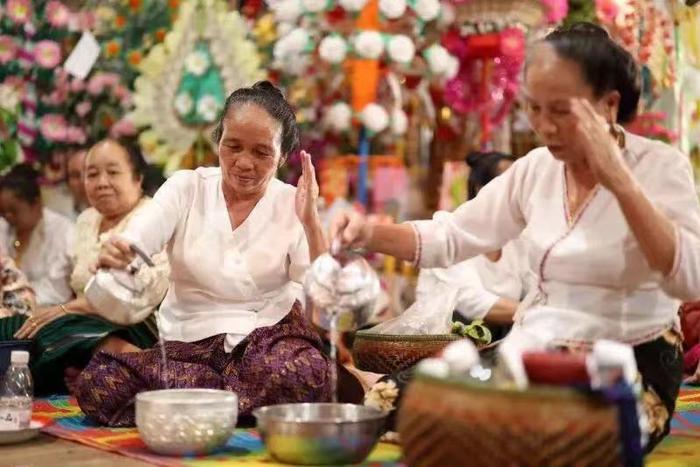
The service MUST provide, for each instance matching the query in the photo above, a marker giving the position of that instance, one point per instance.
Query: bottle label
(11, 419)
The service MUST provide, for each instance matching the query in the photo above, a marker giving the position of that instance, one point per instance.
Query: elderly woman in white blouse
(239, 241)
(611, 220)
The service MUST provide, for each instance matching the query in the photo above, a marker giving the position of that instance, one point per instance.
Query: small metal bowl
(319, 434)
(179, 422)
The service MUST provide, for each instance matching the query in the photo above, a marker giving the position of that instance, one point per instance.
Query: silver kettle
(117, 293)
(342, 287)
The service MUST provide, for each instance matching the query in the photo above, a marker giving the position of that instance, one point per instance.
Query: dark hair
(23, 181)
(270, 98)
(606, 65)
(134, 156)
(484, 168)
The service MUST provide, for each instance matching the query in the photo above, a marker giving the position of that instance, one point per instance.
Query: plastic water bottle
(17, 393)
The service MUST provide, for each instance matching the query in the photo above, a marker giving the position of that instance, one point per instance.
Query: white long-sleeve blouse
(593, 280)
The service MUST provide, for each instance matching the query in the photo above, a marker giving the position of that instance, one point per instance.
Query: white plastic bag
(429, 314)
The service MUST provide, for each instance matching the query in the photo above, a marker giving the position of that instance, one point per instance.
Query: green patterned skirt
(70, 341)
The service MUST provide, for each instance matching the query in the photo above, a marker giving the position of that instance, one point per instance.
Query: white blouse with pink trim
(593, 279)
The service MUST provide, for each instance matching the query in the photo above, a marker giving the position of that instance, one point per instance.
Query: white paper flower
(292, 44)
(447, 14)
(399, 122)
(333, 49)
(427, 10)
(369, 44)
(286, 11)
(392, 9)
(374, 117)
(296, 66)
(183, 103)
(314, 6)
(401, 48)
(339, 117)
(438, 59)
(197, 63)
(352, 5)
(452, 67)
(208, 108)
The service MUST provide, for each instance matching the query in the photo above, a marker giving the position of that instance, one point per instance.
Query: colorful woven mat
(244, 448)
(682, 447)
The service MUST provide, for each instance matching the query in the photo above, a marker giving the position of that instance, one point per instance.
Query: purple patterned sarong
(283, 363)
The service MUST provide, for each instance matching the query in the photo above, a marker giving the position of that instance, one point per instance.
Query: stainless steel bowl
(181, 422)
(319, 434)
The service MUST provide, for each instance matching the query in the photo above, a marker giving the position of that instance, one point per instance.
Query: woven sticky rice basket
(443, 423)
(390, 353)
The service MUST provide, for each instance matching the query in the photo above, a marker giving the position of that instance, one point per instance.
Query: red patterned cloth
(276, 364)
(690, 324)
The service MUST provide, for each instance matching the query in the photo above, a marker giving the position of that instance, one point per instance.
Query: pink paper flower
(123, 127)
(53, 127)
(607, 10)
(77, 85)
(57, 14)
(47, 54)
(19, 11)
(83, 108)
(555, 10)
(101, 81)
(75, 135)
(8, 49)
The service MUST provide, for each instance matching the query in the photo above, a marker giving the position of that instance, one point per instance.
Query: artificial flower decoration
(333, 49)
(19, 11)
(392, 9)
(183, 104)
(369, 44)
(401, 49)
(438, 59)
(399, 122)
(197, 63)
(339, 117)
(57, 14)
(352, 5)
(83, 108)
(287, 11)
(47, 54)
(75, 135)
(8, 49)
(427, 10)
(314, 6)
(53, 127)
(208, 108)
(374, 118)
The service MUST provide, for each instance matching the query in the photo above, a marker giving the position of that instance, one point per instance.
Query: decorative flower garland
(176, 111)
(319, 35)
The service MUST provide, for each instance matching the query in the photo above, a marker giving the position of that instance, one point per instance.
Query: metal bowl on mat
(390, 353)
(319, 433)
(181, 422)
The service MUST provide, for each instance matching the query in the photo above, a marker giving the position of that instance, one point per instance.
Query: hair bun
(473, 158)
(268, 87)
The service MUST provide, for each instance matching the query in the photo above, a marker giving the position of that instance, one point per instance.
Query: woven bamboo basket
(445, 423)
(388, 353)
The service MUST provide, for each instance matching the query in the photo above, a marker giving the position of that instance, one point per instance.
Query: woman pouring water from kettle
(611, 220)
(239, 241)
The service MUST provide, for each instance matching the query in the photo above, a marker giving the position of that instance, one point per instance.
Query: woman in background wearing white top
(490, 286)
(611, 220)
(37, 238)
(239, 241)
